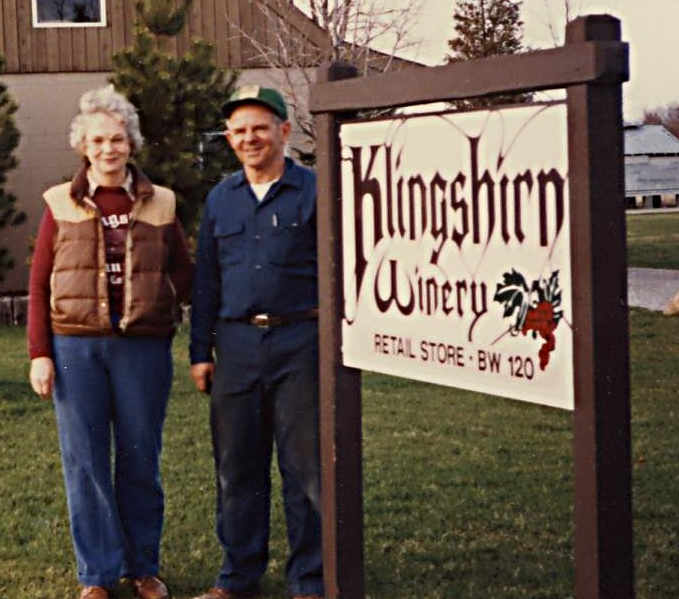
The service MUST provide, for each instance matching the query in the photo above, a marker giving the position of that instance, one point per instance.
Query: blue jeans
(112, 388)
(266, 390)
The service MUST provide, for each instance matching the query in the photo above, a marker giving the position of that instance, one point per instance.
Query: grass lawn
(653, 240)
(466, 496)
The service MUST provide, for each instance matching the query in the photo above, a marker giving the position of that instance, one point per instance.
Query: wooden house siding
(225, 23)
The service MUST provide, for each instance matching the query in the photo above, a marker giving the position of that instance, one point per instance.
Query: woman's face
(107, 146)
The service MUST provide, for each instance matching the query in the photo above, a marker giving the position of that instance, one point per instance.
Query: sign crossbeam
(577, 63)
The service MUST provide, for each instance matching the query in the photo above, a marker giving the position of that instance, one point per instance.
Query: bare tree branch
(668, 116)
(556, 21)
(345, 30)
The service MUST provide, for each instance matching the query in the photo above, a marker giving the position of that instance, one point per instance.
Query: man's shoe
(94, 593)
(220, 593)
(150, 587)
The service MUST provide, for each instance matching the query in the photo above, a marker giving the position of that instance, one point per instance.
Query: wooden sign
(456, 250)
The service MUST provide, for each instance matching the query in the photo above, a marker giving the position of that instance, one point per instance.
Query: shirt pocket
(292, 244)
(230, 243)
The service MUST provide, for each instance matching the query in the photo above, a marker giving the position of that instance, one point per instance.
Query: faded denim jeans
(112, 388)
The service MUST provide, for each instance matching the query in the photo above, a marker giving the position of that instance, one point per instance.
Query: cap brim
(229, 107)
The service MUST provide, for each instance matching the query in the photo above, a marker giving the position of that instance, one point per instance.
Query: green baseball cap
(256, 94)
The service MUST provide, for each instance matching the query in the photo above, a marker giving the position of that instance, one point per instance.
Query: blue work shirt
(254, 257)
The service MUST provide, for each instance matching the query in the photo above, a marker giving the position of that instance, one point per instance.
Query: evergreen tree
(9, 140)
(179, 100)
(487, 28)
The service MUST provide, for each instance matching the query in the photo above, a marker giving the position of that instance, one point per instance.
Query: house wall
(228, 24)
(47, 103)
(48, 69)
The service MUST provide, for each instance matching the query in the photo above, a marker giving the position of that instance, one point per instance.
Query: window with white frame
(69, 13)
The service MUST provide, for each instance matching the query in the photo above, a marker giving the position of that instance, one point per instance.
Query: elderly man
(255, 301)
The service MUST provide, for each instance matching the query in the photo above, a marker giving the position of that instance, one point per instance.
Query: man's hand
(202, 374)
(42, 376)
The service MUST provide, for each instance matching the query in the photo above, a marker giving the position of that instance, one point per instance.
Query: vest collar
(136, 184)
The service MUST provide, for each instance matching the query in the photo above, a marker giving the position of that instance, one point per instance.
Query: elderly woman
(109, 267)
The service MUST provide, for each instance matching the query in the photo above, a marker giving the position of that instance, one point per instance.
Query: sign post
(604, 565)
(422, 255)
(340, 421)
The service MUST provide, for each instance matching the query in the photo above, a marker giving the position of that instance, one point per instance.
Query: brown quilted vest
(79, 292)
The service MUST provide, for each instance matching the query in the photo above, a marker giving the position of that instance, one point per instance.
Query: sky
(651, 27)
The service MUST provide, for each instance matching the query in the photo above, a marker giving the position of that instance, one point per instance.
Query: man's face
(257, 137)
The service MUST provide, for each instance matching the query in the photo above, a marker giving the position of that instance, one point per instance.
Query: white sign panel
(456, 250)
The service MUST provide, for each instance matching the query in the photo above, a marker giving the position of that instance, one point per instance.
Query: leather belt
(265, 321)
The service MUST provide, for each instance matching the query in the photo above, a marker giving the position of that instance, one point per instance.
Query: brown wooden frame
(225, 23)
(592, 67)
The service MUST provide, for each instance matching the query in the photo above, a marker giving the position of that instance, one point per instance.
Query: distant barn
(651, 167)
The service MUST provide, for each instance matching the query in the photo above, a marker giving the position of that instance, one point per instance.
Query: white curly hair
(106, 100)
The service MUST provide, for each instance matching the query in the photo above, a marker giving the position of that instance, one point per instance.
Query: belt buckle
(261, 321)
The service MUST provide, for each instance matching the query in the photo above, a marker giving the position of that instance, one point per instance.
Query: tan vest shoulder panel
(63, 207)
(160, 210)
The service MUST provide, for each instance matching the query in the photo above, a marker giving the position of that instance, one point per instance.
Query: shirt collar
(128, 184)
(291, 176)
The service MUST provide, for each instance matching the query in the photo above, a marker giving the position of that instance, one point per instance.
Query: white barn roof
(650, 140)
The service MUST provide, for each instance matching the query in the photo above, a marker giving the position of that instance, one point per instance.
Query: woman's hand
(42, 376)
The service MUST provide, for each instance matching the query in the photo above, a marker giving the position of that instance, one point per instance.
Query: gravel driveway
(651, 288)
